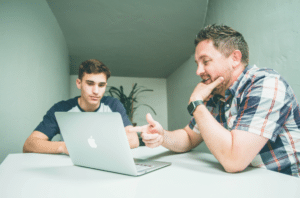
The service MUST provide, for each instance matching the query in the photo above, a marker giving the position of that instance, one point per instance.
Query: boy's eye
(102, 84)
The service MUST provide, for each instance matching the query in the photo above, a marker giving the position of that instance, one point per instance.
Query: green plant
(130, 100)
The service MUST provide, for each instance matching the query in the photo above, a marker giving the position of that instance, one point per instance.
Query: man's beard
(218, 90)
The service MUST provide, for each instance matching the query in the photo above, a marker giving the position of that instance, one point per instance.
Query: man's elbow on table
(233, 167)
(233, 163)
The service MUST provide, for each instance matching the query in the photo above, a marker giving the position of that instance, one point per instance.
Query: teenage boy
(92, 81)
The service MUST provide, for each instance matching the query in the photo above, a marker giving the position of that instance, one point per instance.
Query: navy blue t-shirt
(49, 124)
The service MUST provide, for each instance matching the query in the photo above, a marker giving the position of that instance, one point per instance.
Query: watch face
(191, 108)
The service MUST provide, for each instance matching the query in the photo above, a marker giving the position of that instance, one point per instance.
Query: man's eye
(205, 62)
(101, 85)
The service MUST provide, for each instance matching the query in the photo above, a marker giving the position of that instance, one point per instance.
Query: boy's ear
(78, 83)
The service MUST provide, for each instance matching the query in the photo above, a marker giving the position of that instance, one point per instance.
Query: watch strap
(192, 106)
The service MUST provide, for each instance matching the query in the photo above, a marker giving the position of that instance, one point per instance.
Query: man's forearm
(234, 149)
(177, 141)
(217, 138)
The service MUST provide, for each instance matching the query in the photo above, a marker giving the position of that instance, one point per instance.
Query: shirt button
(227, 105)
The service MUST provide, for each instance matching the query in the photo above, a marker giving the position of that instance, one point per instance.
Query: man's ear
(78, 83)
(236, 58)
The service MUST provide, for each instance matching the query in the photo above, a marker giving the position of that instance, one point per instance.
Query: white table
(191, 174)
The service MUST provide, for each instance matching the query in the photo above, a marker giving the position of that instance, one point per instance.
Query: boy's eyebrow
(90, 81)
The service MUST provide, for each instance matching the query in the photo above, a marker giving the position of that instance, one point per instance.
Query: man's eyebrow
(201, 57)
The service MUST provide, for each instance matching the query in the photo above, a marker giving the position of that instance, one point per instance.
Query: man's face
(211, 65)
(92, 89)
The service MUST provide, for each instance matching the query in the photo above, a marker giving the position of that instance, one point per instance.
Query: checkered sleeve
(193, 125)
(262, 107)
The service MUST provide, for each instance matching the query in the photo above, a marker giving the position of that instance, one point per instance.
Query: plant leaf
(147, 106)
(128, 101)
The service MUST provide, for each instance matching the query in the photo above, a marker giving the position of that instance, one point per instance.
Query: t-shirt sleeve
(118, 107)
(264, 107)
(49, 125)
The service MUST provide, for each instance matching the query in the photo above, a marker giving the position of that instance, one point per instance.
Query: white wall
(34, 69)
(180, 85)
(271, 29)
(156, 99)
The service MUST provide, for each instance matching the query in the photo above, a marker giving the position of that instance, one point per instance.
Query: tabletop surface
(192, 174)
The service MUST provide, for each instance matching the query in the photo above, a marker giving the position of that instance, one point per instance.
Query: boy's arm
(132, 137)
(38, 142)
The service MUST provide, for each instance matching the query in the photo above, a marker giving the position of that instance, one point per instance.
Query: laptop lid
(98, 140)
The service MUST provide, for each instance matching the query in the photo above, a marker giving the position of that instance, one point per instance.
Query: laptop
(99, 141)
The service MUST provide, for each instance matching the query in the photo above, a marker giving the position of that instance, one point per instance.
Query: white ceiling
(144, 38)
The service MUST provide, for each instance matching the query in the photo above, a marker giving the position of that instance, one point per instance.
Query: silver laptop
(98, 140)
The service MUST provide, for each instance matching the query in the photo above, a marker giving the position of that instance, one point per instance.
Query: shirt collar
(233, 88)
(84, 110)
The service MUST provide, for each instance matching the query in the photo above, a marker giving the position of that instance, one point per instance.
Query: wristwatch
(192, 106)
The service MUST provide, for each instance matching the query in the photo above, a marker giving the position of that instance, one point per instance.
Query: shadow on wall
(36, 73)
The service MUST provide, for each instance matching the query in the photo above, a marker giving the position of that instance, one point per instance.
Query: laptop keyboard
(141, 167)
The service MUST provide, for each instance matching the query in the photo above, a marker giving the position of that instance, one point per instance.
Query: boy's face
(92, 88)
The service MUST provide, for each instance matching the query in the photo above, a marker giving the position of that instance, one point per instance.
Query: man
(92, 81)
(245, 115)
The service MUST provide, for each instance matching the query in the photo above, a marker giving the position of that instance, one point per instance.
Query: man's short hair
(225, 40)
(93, 66)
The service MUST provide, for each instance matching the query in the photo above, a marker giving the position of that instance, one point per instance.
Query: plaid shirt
(263, 103)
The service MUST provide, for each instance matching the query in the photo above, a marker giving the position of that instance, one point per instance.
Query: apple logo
(92, 142)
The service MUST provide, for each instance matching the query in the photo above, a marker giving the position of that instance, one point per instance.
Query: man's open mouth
(204, 80)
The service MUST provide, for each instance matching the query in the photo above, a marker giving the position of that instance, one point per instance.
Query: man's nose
(200, 70)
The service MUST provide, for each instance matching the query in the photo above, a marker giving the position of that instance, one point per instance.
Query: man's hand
(152, 133)
(204, 91)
